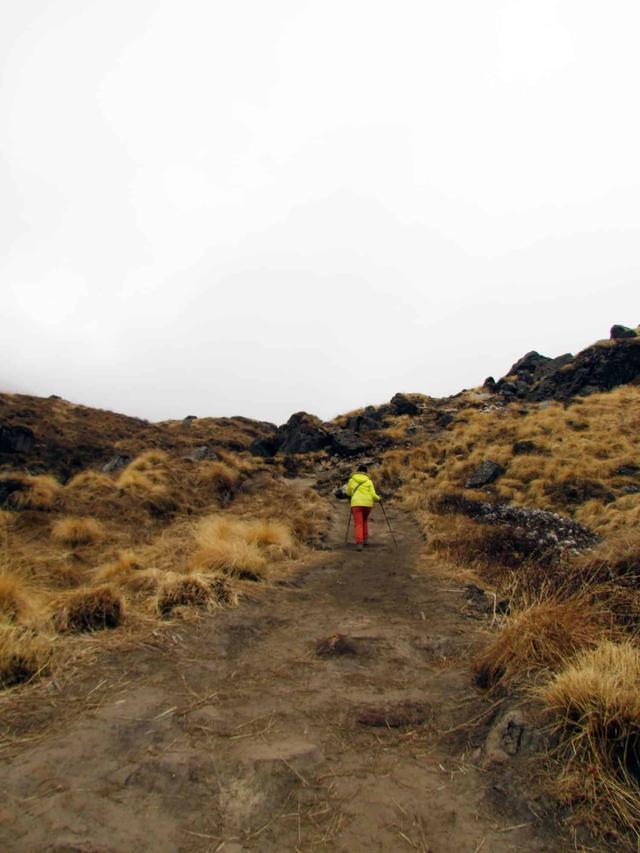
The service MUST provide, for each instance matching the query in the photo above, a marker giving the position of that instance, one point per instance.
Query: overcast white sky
(251, 207)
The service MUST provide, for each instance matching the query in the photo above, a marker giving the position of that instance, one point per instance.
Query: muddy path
(329, 712)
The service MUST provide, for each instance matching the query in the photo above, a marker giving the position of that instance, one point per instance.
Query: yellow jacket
(361, 490)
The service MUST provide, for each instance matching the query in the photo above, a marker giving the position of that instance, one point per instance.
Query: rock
(544, 535)
(489, 384)
(369, 419)
(347, 443)
(203, 452)
(487, 472)
(264, 447)
(116, 463)
(402, 405)
(618, 333)
(529, 363)
(15, 439)
(504, 739)
(521, 447)
(627, 471)
(595, 369)
(302, 433)
(443, 419)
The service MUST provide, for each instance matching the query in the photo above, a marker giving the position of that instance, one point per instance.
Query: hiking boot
(359, 546)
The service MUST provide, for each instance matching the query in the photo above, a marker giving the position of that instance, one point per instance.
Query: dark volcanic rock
(627, 471)
(347, 443)
(521, 447)
(7, 487)
(489, 384)
(403, 405)
(302, 433)
(487, 472)
(264, 447)
(443, 419)
(529, 363)
(618, 333)
(598, 368)
(550, 534)
(15, 439)
(369, 419)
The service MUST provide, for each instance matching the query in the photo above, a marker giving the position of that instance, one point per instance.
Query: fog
(254, 208)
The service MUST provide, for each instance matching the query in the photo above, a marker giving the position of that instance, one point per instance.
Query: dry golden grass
(39, 493)
(14, 598)
(6, 519)
(89, 609)
(537, 637)
(232, 556)
(195, 590)
(23, 655)
(119, 569)
(74, 531)
(275, 536)
(91, 482)
(595, 704)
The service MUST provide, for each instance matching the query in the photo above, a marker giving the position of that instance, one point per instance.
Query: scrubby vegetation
(555, 531)
(160, 534)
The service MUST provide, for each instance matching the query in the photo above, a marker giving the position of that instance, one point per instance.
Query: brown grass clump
(39, 492)
(195, 591)
(89, 610)
(23, 655)
(6, 519)
(220, 479)
(13, 598)
(146, 475)
(75, 530)
(595, 702)
(91, 482)
(538, 636)
(273, 535)
(117, 571)
(232, 556)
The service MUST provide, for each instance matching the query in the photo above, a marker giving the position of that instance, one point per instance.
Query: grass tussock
(595, 705)
(14, 599)
(34, 492)
(74, 531)
(538, 637)
(23, 655)
(90, 609)
(195, 590)
(118, 570)
(91, 483)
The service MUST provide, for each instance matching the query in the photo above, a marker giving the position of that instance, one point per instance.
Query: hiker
(363, 495)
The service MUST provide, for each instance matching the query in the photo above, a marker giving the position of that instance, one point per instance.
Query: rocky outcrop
(597, 368)
(542, 534)
(402, 405)
(302, 433)
(15, 439)
(347, 443)
(601, 367)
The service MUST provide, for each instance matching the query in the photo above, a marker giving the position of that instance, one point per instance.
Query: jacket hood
(360, 477)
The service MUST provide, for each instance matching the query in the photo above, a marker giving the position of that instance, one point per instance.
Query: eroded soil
(330, 712)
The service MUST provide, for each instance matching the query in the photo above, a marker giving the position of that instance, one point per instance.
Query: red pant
(361, 522)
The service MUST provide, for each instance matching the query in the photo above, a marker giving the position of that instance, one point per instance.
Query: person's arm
(349, 488)
(376, 496)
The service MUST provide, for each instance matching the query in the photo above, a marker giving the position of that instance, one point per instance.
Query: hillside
(526, 495)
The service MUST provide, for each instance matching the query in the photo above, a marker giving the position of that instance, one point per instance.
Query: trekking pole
(388, 525)
(346, 535)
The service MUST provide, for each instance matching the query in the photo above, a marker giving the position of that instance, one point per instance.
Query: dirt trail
(234, 734)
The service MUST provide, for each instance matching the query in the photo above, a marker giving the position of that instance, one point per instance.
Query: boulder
(15, 439)
(629, 470)
(264, 447)
(530, 363)
(402, 405)
(487, 472)
(303, 433)
(116, 463)
(443, 419)
(347, 443)
(618, 333)
(369, 419)
(489, 384)
(203, 452)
